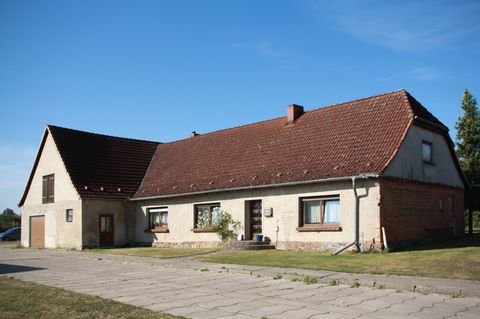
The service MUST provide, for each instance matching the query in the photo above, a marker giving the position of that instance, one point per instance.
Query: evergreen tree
(468, 152)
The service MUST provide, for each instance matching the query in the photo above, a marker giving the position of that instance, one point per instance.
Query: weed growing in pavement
(333, 282)
(309, 280)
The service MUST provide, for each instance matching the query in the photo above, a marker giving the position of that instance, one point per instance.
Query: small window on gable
(427, 152)
(48, 189)
(69, 215)
(158, 217)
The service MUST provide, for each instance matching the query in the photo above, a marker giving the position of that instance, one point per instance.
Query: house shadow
(11, 269)
(463, 242)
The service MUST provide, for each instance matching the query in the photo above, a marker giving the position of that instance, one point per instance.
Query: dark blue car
(11, 234)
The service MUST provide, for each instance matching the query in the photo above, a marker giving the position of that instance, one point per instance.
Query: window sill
(157, 230)
(428, 163)
(203, 230)
(317, 228)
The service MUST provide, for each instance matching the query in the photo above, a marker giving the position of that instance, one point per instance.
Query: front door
(255, 217)
(106, 230)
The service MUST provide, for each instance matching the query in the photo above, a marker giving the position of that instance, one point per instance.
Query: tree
(8, 211)
(8, 219)
(468, 152)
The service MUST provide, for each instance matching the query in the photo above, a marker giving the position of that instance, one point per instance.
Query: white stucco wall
(58, 232)
(93, 208)
(408, 162)
(285, 204)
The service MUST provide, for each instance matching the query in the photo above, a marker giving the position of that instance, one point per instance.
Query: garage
(37, 231)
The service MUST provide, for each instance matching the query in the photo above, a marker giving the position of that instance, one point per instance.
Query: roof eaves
(324, 180)
(34, 167)
(63, 161)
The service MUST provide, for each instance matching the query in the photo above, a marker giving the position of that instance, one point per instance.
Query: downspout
(356, 242)
(357, 213)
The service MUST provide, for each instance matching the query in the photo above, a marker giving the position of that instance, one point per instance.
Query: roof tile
(346, 139)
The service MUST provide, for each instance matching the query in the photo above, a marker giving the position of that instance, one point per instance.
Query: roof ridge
(224, 129)
(279, 117)
(358, 100)
(101, 135)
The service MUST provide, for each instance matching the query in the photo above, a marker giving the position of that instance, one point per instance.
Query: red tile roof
(100, 166)
(346, 139)
(342, 140)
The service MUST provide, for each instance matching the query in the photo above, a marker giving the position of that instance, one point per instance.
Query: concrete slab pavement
(185, 287)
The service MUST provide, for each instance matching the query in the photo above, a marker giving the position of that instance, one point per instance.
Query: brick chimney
(294, 112)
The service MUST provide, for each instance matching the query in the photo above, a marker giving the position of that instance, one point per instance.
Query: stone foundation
(298, 245)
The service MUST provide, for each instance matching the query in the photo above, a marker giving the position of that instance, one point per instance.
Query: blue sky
(157, 70)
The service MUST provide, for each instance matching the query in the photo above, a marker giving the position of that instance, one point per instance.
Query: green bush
(226, 227)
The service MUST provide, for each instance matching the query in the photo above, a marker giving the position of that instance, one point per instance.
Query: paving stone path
(174, 287)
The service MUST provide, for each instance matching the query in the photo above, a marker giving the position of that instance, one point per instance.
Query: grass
(19, 299)
(155, 252)
(456, 259)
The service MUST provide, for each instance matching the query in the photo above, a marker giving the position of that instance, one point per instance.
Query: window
(48, 186)
(319, 213)
(206, 215)
(158, 217)
(427, 152)
(69, 215)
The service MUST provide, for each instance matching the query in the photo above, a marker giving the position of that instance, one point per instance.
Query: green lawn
(459, 259)
(155, 252)
(19, 299)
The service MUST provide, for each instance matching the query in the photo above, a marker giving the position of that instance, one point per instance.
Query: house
(367, 172)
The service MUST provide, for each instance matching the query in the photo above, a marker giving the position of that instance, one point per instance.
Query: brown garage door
(37, 231)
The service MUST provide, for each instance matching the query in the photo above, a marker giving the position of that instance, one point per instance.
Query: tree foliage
(468, 150)
(8, 211)
(8, 219)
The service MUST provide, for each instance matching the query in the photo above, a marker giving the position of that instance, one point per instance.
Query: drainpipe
(356, 242)
(357, 213)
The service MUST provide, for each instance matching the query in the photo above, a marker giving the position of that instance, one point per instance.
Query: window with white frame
(206, 215)
(320, 211)
(158, 217)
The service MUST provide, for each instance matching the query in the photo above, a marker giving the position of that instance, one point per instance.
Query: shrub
(225, 226)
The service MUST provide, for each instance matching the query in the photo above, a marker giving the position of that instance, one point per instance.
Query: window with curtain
(158, 217)
(319, 211)
(206, 215)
